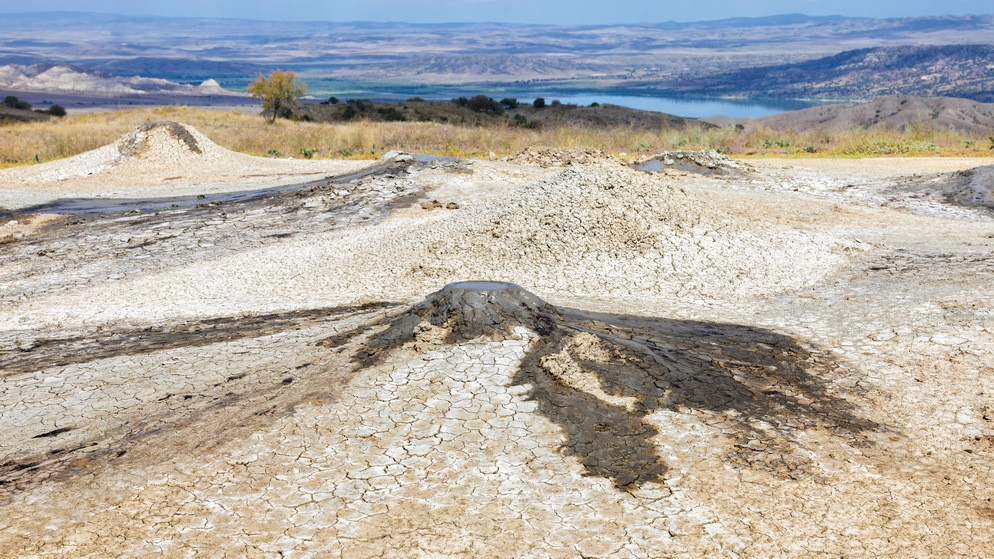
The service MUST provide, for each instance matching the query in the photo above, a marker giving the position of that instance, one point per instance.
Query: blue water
(692, 108)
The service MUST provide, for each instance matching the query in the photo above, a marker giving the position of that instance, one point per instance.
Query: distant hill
(893, 112)
(72, 79)
(175, 68)
(949, 70)
(540, 58)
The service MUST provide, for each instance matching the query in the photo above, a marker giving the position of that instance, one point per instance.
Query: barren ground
(795, 358)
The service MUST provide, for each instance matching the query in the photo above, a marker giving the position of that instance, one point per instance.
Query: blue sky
(524, 11)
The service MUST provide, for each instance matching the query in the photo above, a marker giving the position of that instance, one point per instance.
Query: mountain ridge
(965, 71)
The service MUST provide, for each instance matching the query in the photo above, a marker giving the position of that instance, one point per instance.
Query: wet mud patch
(230, 201)
(708, 163)
(42, 353)
(972, 189)
(599, 378)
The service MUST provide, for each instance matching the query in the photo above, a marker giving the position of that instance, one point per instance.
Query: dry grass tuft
(26, 143)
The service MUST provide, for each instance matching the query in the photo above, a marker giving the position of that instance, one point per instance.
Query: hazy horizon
(580, 12)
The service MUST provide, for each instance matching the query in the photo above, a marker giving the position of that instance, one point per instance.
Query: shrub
(484, 104)
(521, 121)
(509, 102)
(595, 104)
(391, 114)
(307, 153)
(15, 103)
(556, 103)
(539, 103)
(461, 101)
(361, 105)
(57, 110)
(415, 100)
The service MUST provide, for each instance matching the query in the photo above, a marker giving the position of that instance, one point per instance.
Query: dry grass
(26, 143)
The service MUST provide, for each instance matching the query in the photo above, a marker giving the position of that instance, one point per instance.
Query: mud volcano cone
(472, 309)
(162, 139)
(457, 313)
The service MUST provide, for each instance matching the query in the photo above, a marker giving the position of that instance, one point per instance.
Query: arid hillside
(893, 112)
(947, 70)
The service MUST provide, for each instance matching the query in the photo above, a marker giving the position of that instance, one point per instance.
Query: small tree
(279, 93)
(57, 110)
(539, 103)
(15, 103)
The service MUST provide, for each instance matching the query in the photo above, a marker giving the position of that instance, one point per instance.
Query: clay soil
(793, 359)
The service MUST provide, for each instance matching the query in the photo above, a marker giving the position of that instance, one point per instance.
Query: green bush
(361, 105)
(509, 102)
(15, 103)
(539, 103)
(57, 110)
(520, 120)
(483, 104)
(391, 114)
(415, 100)
(461, 101)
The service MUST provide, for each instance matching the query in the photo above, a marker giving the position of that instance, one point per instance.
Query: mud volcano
(472, 309)
(159, 136)
(601, 378)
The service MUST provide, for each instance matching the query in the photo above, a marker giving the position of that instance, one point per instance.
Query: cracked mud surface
(243, 381)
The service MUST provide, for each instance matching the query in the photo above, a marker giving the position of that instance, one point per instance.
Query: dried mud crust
(479, 422)
(220, 380)
(609, 231)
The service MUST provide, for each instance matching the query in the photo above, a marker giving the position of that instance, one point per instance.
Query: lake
(692, 108)
(680, 106)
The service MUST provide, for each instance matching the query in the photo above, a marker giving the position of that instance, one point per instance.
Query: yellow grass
(26, 143)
